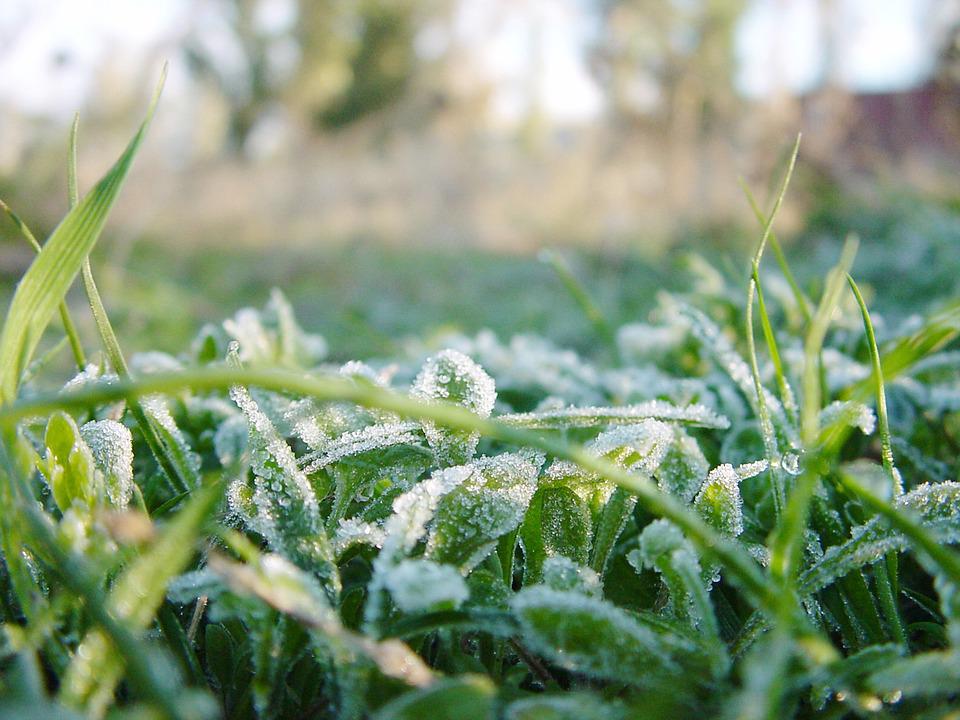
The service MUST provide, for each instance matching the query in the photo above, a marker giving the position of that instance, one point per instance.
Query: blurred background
(395, 165)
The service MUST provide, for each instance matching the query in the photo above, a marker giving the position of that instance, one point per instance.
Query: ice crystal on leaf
(453, 377)
(112, 448)
(490, 502)
(420, 585)
(586, 417)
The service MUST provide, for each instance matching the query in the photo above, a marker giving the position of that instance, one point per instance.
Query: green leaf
(489, 503)
(50, 275)
(69, 465)
(467, 697)
(588, 635)
(557, 523)
(452, 376)
(96, 668)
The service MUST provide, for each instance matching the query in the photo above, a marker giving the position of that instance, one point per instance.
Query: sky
(779, 43)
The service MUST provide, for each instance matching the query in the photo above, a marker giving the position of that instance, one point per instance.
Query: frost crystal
(112, 448)
(585, 417)
(352, 531)
(415, 508)
(490, 502)
(452, 376)
(422, 585)
(155, 406)
(719, 501)
(683, 468)
(852, 414)
(640, 448)
(562, 573)
(287, 512)
(372, 437)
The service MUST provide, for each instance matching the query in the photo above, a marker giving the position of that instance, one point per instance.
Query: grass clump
(467, 528)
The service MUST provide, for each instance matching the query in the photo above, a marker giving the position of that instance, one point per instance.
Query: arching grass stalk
(740, 566)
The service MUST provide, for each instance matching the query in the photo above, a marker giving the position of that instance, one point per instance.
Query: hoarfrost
(452, 376)
(352, 531)
(112, 448)
(585, 417)
(719, 501)
(421, 585)
(849, 413)
(372, 437)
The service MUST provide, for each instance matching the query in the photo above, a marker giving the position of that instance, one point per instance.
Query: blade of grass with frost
(774, 466)
(50, 275)
(136, 596)
(175, 465)
(739, 564)
(69, 327)
(785, 547)
(798, 294)
(786, 394)
(886, 573)
(579, 293)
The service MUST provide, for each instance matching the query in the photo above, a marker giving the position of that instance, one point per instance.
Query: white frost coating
(571, 417)
(643, 342)
(650, 439)
(750, 469)
(414, 509)
(156, 407)
(112, 448)
(852, 414)
(353, 531)
(372, 437)
(450, 375)
(491, 501)
(562, 573)
(420, 585)
(360, 370)
(714, 342)
(719, 501)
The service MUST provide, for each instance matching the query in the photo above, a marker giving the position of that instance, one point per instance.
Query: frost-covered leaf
(454, 377)
(422, 585)
(850, 414)
(562, 573)
(352, 531)
(591, 636)
(585, 417)
(664, 548)
(112, 448)
(467, 697)
(272, 336)
(177, 448)
(287, 511)
(936, 507)
(719, 501)
(489, 503)
(357, 442)
(69, 464)
(683, 467)
(557, 522)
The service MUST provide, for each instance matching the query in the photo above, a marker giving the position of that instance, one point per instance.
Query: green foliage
(470, 528)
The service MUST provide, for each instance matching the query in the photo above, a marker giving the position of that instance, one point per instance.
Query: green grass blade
(135, 599)
(68, 325)
(785, 547)
(48, 278)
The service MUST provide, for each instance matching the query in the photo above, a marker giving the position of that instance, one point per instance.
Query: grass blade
(48, 278)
